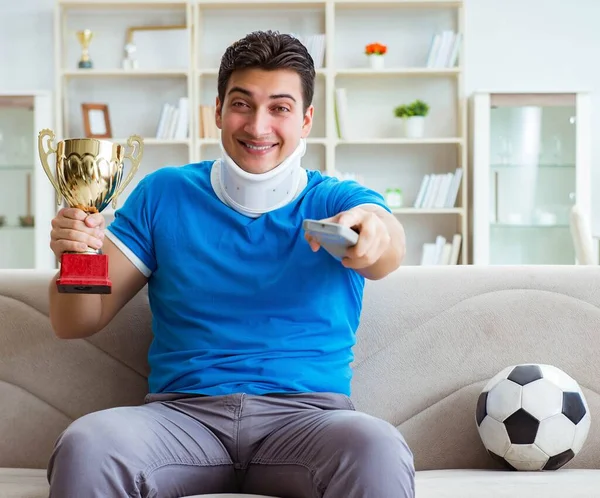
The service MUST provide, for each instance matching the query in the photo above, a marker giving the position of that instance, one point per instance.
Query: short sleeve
(131, 230)
(348, 194)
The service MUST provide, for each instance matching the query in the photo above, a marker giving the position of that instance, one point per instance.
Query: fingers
(93, 240)
(91, 220)
(373, 241)
(73, 230)
(369, 256)
(352, 218)
(312, 242)
(367, 237)
(72, 214)
(373, 237)
(95, 220)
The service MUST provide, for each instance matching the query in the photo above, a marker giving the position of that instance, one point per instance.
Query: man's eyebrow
(240, 90)
(249, 93)
(282, 96)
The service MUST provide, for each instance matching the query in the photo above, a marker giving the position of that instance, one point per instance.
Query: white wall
(26, 51)
(512, 47)
(524, 45)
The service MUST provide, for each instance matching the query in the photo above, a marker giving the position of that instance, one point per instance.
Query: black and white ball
(532, 417)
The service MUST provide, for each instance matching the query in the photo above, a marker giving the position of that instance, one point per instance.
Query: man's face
(262, 117)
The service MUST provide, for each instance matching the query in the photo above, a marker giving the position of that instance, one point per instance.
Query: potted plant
(413, 115)
(376, 54)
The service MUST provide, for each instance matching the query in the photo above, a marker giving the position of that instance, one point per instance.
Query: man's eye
(282, 109)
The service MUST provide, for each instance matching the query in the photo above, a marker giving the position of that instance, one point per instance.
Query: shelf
(410, 210)
(11, 228)
(259, 4)
(16, 167)
(121, 4)
(417, 71)
(537, 166)
(214, 71)
(154, 141)
(400, 141)
(317, 141)
(530, 225)
(420, 4)
(123, 73)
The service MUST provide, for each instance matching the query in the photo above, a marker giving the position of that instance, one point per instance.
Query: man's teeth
(256, 147)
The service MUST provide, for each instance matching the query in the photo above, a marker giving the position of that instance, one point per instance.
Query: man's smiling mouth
(257, 147)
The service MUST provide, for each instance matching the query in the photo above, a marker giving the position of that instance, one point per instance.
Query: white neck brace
(254, 194)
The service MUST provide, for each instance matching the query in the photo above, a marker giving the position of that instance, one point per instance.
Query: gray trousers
(288, 446)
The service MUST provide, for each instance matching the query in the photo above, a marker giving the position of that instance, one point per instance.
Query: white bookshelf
(373, 150)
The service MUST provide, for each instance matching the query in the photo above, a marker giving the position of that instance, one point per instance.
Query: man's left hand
(373, 237)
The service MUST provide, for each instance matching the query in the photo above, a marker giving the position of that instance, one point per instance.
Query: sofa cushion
(574, 483)
(23, 483)
(497, 484)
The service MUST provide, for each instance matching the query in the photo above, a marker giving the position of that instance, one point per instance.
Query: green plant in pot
(413, 115)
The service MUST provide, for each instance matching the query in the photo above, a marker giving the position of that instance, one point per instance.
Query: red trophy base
(84, 274)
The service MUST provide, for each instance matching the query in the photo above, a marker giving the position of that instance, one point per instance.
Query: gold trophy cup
(85, 38)
(89, 175)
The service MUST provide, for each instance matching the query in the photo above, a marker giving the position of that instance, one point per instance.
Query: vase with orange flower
(376, 54)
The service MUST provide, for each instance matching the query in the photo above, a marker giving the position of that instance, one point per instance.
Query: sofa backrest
(429, 340)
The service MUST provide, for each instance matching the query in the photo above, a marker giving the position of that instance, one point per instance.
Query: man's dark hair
(269, 50)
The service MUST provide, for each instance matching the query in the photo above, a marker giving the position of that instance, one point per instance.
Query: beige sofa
(429, 340)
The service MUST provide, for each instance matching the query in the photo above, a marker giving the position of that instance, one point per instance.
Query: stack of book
(444, 49)
(341, 113)
(315, 44)
(347, 175)
(441, 252)
(174, 121)
(439, 190)
(208, 126)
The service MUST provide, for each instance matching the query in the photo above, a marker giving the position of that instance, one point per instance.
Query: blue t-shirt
(242, 304)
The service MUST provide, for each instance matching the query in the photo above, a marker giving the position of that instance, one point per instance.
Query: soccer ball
(532, 417)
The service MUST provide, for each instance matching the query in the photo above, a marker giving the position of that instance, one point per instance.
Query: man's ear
(218, 111)
(308, 121)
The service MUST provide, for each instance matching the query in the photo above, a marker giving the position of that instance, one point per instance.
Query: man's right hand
(74, 230)
(73, 315)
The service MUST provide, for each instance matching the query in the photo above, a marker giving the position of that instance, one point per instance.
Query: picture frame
(156, 47)
(96, 120)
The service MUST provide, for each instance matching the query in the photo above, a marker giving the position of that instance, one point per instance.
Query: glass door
(27, 203)
(16, 182)
(532, 179)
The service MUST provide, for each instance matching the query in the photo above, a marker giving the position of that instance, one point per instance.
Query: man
(253, 323)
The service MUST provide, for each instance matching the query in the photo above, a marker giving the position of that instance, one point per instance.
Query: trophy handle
(135, 164)
(44, 159)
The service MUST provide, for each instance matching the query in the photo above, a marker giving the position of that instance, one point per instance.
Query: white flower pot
(414, 127)
(377, 61)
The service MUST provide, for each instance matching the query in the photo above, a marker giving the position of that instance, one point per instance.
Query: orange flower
(376, 49)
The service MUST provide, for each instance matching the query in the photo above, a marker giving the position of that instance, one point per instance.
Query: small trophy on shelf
(85, 37)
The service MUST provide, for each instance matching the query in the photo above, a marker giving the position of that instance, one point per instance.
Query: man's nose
(259, 124)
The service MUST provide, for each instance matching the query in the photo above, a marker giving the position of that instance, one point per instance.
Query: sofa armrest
(46, 382)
